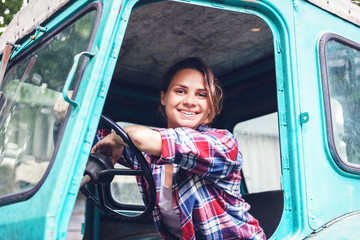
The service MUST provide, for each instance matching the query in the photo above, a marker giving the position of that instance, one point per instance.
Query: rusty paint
(251, 1)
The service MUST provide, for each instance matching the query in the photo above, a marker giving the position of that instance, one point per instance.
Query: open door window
(30, 130)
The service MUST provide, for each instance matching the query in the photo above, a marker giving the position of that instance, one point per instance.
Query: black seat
(267, 208)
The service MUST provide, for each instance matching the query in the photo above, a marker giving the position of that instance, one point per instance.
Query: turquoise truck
(290, 71)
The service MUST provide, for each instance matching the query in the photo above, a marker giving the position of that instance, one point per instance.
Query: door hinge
(288, 205)
(74, 188)
(89, 136)
(282, 119)
(103, 89)
(286, 164)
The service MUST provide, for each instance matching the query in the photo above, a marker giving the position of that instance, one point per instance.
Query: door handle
(71, 74)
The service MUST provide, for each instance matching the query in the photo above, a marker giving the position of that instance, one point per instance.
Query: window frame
(352, 168)
(94, 6)
(107, 191)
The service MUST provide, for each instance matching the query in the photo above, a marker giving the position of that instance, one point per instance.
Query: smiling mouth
(187, 113)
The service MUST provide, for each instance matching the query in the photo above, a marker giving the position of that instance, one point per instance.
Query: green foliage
(8, 9)
(54, 58)
(357, 2)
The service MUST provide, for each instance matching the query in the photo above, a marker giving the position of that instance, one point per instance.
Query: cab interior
(239, 48)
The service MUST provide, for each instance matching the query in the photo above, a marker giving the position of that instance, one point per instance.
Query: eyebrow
(183, 86)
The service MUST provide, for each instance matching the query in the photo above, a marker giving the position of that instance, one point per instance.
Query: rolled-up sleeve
(213, 154)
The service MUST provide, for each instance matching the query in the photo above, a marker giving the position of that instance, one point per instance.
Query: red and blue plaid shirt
(206, 185)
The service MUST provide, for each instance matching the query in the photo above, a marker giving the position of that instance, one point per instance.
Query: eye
(180, 90)
(202, 94)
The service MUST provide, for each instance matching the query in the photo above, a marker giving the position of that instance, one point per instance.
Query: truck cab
(290, 72)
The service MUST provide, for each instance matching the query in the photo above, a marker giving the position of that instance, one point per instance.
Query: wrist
(117, 139)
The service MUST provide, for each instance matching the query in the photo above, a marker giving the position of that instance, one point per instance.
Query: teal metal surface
(316, 190)
(87, 116)
(47, 213)
(319, 167)
(70, 77)
(343, 227)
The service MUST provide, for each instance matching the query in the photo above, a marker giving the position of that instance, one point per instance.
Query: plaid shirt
(206, 185)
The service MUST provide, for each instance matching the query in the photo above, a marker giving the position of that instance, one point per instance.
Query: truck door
(42, 152)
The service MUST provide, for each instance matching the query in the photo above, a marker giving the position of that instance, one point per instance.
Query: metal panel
(26, 20)
(343, 227)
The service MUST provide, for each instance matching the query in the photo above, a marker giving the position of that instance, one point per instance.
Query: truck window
(341, 81)
(29, 130)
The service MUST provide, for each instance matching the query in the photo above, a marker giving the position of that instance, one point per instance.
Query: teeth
(188, 113)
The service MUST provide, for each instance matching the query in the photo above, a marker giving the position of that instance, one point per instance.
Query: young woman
(196, 168)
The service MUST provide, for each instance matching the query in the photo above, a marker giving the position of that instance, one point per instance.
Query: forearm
(145, 139)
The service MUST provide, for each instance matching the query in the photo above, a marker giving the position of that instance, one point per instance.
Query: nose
(189, 100)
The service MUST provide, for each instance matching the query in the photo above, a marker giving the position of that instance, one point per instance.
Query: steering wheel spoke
(121, 172)
(101, 195)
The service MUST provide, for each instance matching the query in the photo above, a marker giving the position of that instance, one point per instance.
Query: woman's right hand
(61, 106)
(112, 146)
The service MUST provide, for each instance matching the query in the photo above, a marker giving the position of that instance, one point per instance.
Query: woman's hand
(145, 139)
(61, 106)
(112, 145)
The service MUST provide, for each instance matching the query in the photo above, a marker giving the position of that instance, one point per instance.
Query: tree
(8, 8)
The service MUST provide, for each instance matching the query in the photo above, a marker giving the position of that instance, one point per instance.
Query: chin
(190, 125)
(183, 124)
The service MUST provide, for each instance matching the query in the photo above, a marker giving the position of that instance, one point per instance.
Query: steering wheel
(100, 172)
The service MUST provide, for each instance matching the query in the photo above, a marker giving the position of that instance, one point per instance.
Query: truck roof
(37, 11)
(28, 18)
(342, 8)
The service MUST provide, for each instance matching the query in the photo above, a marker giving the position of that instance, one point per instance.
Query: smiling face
(186, 100)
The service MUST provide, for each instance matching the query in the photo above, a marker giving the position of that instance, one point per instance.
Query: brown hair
(212, 85)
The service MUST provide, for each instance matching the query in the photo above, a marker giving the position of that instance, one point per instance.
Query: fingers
(61, 106)
(113, 160)
(94, 149)
(116, 154)
(109, 148)
(102, 147)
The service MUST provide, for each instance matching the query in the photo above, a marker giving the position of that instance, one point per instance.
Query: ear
(162, 98)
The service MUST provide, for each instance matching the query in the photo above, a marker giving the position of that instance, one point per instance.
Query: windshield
(29, 129)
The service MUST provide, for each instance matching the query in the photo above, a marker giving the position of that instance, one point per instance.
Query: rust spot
(251, 1)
